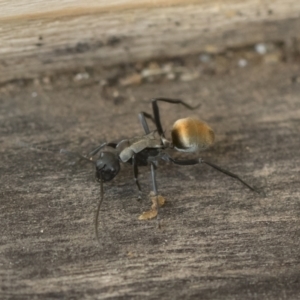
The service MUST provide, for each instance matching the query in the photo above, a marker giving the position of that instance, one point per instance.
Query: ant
(188, 135)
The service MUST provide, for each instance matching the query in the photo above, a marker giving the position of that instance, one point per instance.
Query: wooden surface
(41, 38)
(218, 240)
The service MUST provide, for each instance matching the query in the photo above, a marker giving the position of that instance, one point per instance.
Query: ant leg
(233, 176)
(155, 191)
(200, 160)
(153, 175)
(142, 118)
(157, 200)
(156, 110)
(136, 174)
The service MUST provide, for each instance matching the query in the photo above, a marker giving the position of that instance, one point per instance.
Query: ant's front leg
(156, 199)
(136, 174)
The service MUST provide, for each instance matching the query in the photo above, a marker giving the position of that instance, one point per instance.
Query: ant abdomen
(191, 135)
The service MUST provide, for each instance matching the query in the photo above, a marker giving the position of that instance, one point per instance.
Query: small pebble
(205, 58)
(242, 63)
(133, 79)
(81, 76)
(261, 48)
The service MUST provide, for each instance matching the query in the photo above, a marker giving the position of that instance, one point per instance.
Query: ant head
(191, 135)
(107, 166)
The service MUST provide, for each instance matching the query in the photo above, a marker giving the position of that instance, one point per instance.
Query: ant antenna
(61, 151)
(98, 210)
(89, 159)
(67, 152)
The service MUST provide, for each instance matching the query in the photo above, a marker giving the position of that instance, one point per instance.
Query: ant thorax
(136, 145)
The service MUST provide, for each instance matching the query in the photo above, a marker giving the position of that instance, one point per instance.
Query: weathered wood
(218, 240)
(47, 37)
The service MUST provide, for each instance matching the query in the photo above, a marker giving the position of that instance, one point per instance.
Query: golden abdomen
(191, 135)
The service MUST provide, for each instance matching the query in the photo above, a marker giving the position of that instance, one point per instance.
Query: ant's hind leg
(156, 110)
(200, 160)
(156, 118)
(262, 193)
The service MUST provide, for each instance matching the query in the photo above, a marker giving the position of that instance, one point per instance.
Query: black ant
(188, 135)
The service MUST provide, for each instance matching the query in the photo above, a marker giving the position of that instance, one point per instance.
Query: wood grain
(218, 240)
(40, 38)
